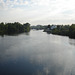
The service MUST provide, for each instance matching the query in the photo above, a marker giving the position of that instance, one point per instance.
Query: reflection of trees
(72, 41)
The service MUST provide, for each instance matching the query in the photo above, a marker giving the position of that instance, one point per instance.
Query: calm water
(37, 53)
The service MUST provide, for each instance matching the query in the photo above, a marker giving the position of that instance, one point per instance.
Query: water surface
(37, 53)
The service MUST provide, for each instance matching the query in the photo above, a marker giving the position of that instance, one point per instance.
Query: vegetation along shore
(65, 30)
(16, 27)
(13, 28)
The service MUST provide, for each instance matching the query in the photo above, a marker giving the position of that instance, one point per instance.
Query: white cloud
(12, 3)
(2, 4)
(38, 11)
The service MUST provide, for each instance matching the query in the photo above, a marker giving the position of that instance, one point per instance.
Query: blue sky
(38, 11)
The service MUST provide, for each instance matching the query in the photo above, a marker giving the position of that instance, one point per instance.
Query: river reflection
(38, 53)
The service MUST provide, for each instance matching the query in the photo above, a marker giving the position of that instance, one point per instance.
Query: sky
(36, 12)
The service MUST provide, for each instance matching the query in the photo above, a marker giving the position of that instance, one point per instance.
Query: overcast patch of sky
(38, 11)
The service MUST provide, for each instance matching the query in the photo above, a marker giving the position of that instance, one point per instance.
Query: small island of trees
(13, 28)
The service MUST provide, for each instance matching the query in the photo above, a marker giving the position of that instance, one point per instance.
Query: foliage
(72, 31)
(61, 30)
(11, 28)
(65, 30)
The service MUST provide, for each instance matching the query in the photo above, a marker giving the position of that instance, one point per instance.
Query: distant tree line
(65, 30)
(12, 28)
(61, 30)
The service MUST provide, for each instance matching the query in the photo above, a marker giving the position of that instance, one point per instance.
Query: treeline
(65, 30)
(12, 28)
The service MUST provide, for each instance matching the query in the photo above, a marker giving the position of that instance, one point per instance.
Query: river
(37, 53)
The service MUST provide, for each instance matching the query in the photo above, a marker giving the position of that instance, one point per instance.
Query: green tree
(26, 27)
(2, 28)
(72, 31)
(12, 28)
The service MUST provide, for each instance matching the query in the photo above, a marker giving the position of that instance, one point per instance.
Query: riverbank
(14, 28)
(63, 30)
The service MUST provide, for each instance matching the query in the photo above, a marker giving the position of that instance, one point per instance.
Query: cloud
(2, 4)
(12, 3)
(38, 11)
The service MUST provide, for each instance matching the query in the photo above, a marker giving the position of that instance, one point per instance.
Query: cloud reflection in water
(52, 54)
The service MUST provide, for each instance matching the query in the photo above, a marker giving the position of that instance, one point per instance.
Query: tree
(27, 27)
(72, 31)
(11, 28)
(2, 29)
(49, 26)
